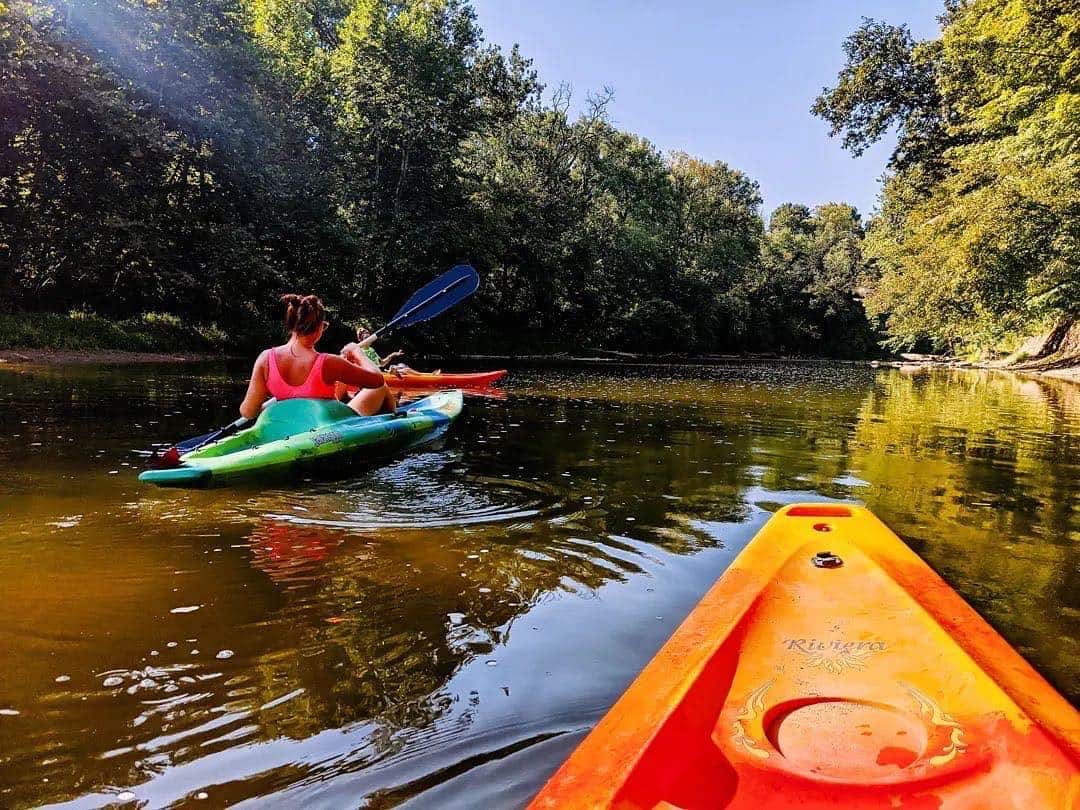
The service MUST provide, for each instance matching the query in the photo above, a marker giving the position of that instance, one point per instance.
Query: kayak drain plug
(826, 559)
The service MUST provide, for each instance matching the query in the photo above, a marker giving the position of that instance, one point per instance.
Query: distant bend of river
(444, 627)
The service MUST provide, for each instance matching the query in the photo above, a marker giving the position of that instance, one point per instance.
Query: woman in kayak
(363, 348)
(365, 339)
(297, 370)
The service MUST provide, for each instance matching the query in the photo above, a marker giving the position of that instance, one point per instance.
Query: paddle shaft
(192, 445)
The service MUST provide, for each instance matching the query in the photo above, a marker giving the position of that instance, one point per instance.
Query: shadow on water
(443, 628)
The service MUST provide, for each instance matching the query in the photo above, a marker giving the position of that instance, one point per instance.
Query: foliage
(889, 82)
(81, 330)
(979, 233)
(811, 270)
(199, 157)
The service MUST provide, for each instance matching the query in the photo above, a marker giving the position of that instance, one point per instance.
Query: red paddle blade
(170, 458)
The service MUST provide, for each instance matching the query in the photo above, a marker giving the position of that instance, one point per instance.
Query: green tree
(199, 157)
(890, 82)
(979, 232)
(718, 229)
(811, 271)
(148, 176)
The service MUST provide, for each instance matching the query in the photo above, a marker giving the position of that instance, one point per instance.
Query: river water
(442, 629)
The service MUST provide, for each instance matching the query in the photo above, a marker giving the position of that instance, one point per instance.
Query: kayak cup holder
(852, 740)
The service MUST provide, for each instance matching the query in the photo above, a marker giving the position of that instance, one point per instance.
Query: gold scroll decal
(751, 710)
(940, 720)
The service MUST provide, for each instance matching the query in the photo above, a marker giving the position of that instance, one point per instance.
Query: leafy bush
(82, 330)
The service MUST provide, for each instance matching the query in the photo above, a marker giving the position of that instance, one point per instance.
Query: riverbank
(1053, 353)
(1056, 353)
(103, 357)
(81, 337)
(1064, 369)
(52, 339)
(117, 357)
(613, 359)
(1069, 371)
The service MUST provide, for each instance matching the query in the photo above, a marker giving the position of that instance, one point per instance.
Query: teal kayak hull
(297, 432)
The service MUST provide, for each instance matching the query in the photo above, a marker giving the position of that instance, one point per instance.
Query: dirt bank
(1064, 365)
(1054, 354)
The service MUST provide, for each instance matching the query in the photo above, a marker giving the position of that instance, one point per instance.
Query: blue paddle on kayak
(188, 445)
(430, 301)
(171, 457)
(434, 298)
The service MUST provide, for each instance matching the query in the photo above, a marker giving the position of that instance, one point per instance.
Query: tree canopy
(978, 237)
(199, 157)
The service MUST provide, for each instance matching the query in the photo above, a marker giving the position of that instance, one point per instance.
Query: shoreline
(118, 357)
(1058, 368)
(106, 357)
(1070, 372)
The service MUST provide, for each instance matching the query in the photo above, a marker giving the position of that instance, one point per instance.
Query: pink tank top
(313, 387)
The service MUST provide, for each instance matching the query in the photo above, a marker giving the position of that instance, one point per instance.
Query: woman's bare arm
(390, 358)
(256, 392)
(352, 352)
(336, 369)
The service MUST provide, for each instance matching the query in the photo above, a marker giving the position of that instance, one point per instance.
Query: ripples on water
(445, 627)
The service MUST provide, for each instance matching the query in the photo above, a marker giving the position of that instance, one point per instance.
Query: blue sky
(729, 81)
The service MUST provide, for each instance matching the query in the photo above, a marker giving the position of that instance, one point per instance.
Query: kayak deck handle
(819, 510)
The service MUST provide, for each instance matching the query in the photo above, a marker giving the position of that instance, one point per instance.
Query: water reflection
(447, 625)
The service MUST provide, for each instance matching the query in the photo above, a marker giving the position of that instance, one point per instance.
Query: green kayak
(300, 431)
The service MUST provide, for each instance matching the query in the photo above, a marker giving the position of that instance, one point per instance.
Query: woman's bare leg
(372, 401)
(369, 401)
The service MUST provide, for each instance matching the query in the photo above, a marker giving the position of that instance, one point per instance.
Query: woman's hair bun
(303, 314)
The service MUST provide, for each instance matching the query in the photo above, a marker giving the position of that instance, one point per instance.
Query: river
(442, 629)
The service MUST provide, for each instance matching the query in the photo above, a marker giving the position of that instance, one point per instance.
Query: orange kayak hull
(418, 380)
(858, 679)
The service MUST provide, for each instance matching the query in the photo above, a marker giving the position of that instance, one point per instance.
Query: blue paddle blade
(452, 287)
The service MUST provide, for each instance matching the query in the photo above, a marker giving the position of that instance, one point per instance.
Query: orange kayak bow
(417, 379)
(829, 667)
